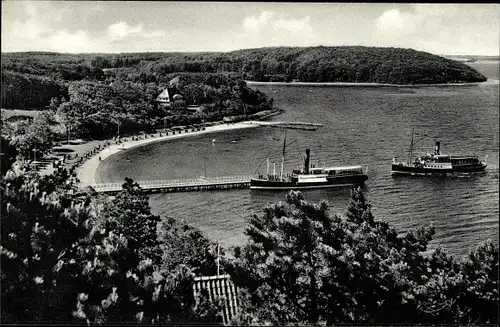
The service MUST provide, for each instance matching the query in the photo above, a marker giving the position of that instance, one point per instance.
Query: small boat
(437, 163)
(309, 177)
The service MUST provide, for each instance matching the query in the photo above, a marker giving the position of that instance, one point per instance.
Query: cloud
(440, 29)
(95, 26)
(34, 30)
(25, 27)
(268, 20)
(390, 19)
(155, 33)
(30, 8)
(76, 42)
(121, 30)
(256, 23)
(268, 28)
(294, 25)
(35, 23)
(29, 29)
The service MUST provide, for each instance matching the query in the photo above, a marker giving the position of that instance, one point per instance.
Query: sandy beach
(86, 172)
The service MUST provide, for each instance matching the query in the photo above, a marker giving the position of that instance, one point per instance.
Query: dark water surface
(362, 125)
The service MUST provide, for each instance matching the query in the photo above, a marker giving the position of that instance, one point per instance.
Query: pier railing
(179, 184)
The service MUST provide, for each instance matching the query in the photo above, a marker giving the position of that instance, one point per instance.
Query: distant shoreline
(345, 84)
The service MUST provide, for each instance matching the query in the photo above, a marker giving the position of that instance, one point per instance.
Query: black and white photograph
(249, 163)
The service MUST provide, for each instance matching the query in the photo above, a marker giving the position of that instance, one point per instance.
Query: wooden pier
(182, 185)
(289, 125)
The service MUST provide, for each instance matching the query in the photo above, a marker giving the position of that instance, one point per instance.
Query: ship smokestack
(306, 162)
(436, 151)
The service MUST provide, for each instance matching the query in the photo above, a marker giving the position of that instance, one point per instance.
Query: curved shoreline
(348, 84)
(87, 171)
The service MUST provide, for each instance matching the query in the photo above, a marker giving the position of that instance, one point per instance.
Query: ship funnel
(436, 151)
(306, 162)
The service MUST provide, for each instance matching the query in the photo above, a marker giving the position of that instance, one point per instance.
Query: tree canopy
(302, 265)
(91, 260)
(50, 74)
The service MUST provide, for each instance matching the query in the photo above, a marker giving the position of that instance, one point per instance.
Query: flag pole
(218, 249)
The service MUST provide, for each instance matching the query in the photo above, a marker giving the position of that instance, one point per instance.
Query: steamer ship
(437, 163)
(310, 177)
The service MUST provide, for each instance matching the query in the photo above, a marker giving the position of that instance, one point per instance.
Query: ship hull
(264, 184)
(414, 170)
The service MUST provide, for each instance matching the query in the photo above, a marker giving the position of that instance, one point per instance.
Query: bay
(361, 125)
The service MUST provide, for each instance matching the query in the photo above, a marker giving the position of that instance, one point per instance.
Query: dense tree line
(27, 91)
(29, 140)
(311, 64)
(96, 109)
(96, 260)
(91, 101)
(302, 265)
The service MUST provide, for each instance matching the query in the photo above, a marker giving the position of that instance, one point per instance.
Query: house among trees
(18, 118)
(171, 98)
(14, 116)
(220, 288)
(165, 99)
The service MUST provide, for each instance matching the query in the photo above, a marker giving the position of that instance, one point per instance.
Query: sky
(142, 26)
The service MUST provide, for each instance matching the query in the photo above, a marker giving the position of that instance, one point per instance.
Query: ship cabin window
(443, 159)
(469, 161)
(330, 172)
(348, 172)
(317, 171)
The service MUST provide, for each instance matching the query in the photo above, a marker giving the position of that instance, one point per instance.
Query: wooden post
(218, 250)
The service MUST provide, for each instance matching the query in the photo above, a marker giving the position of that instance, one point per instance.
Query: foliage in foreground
(97, 260)
(28, 140)
(302, 265)
(91, 260)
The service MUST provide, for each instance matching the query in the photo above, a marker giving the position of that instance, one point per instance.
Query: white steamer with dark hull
(437, 164)
(310, 177)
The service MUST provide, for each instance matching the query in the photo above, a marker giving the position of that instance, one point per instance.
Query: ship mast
(283, 157)
(411, 146)
(267, 161)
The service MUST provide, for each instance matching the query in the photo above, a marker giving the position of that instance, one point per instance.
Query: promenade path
(93, 152)
(86, 172)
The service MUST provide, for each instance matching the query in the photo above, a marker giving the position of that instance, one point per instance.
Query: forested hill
(353, 64)
(311, 64)
(31, 79)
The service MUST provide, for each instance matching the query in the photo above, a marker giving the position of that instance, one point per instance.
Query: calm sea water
(362, 125)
